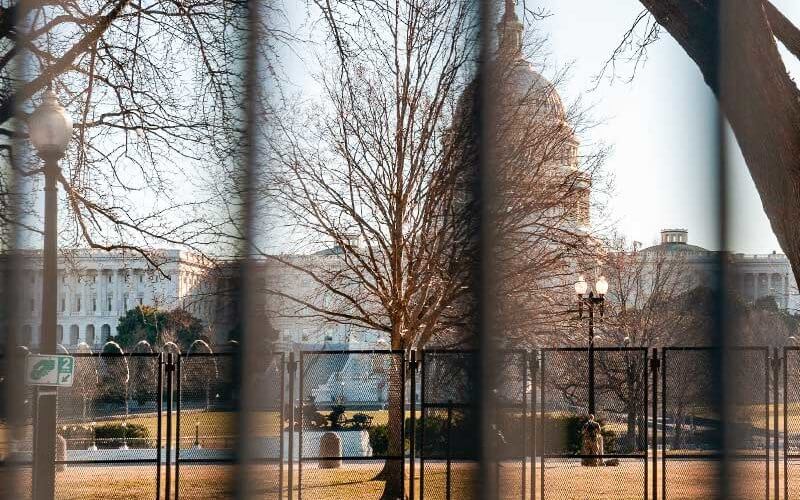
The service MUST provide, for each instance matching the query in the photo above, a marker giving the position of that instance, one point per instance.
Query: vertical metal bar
(412, 422)
(448, 451)
(769, 362)
(168, 447)
(403, 365)
(534, 367)
(663, 367)
(591, 359)
(524, 423)
(160, 416)
(656, 365)
(302, 375)
(541, 425)
(642, 438)
(283, 419)
(292, 367)
(785, 423)
(422, 432)
(177, 426)
(775, 397)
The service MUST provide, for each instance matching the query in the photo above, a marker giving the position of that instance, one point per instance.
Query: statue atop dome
(509, 32)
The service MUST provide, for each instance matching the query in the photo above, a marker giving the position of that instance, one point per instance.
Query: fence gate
(205, 422)
(619, 391)
(448, 455)
(342, 395)
(109, 422)
(690, 428)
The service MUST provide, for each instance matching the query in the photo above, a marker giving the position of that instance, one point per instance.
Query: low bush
(106, 436)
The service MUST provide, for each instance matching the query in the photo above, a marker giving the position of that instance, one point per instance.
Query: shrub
(114, 435)
(360, 421)
(335, 418)
(379, 439)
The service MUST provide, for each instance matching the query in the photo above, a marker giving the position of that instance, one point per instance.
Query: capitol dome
(522, 84)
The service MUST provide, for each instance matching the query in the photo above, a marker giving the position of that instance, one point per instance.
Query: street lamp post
(50, 129)
(591, 301)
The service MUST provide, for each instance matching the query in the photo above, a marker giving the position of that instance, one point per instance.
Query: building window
(94, 304)
(63, 304)
(105, 333)
(109, 278)
(141, 278)
(77, 303)
(125, 303)
(33, 304)
(109, 303)
(141, 301)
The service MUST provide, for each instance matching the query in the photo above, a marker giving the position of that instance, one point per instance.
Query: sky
(660, 126)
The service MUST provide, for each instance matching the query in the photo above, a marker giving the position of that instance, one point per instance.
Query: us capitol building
(754, 276)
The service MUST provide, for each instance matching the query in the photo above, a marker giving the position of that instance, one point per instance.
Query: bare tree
(154, 90)
(647, 289)
(383, 169)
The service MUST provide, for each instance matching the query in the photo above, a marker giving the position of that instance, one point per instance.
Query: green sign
(53, 370)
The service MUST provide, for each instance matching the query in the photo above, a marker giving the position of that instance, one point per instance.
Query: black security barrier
(568, 465)
(691, 431)
(164, 425)
(351, 423)
(110, 425)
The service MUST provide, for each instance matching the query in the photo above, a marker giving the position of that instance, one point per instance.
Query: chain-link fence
(351, 429)
(166, 426)
(206, 434)
(109, 425)
(691, 436)
(593, 421)
(448, 452)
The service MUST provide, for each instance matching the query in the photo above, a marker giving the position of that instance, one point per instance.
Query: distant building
(96, 287)
(754, 276)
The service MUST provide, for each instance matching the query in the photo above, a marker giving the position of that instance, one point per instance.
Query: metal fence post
(448, 455)
(422, 432)
(160, 415)
(533, 361)
(168, 368)
(655, 367)
(785, 424)
(282, 414)
(291, 367)
(177, 425)
(776, 366)
(412, 365)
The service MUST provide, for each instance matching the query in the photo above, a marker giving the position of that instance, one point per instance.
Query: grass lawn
(564, 479)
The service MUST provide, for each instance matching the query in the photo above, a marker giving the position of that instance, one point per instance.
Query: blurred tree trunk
(756, 94)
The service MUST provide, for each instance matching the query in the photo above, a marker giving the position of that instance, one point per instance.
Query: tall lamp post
(50, 129)
(591, 301)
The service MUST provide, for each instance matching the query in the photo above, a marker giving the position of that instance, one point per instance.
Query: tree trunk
(757, 95)
(393, 472)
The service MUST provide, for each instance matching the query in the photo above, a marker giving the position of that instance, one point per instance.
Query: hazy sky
(658, 126)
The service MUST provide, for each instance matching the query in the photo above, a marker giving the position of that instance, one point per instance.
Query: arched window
(73, 334)
(105, 333)
(60, 334)
(90, 335)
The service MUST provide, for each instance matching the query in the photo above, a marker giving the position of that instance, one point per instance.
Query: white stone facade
(96, 287)
(753, 276)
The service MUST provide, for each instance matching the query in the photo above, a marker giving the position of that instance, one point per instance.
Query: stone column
(756, 277)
